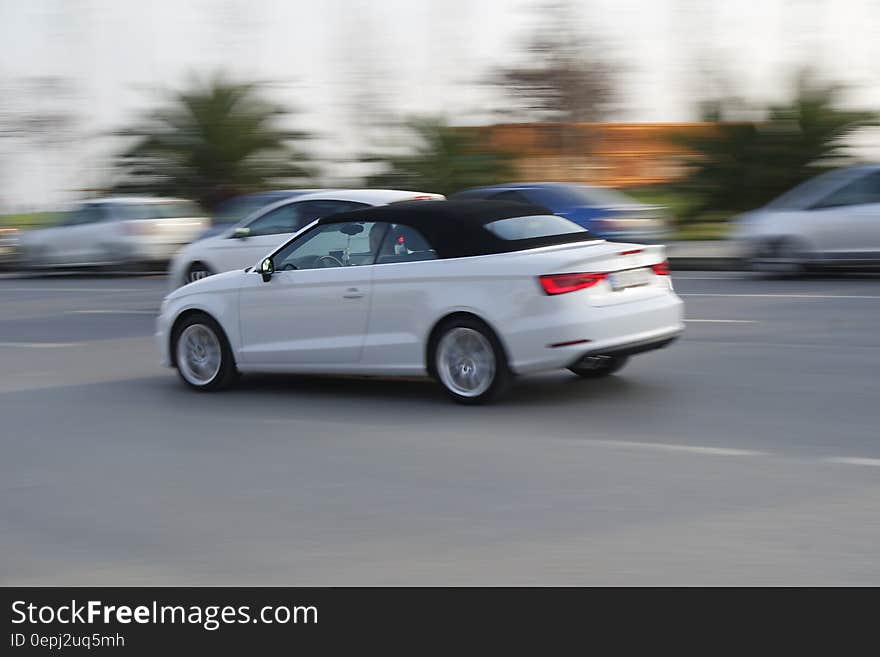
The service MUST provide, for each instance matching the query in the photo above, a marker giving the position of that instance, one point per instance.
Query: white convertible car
(469, 292)
(241, 245)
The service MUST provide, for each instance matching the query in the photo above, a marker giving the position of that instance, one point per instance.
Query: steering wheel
(289, 266)
(328, 261)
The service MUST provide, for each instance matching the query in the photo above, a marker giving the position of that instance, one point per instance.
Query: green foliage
(743, 165)
(29, 220)
(210, 142)
(443, 160)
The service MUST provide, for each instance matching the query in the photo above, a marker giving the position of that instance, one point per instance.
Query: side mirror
(267, 268)
(241, 232)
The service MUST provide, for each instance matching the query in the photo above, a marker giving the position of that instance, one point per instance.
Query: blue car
(604, 212)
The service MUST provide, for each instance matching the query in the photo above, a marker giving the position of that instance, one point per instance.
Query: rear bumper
(632, 348)
(556, 340)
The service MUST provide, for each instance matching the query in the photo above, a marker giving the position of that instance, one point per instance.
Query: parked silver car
(115, 231)
(830, 220)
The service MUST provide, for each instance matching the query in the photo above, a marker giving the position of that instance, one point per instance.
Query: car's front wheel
(196, 272)
(469, 362)
(202, 354)
(594, 367)
(782, 256)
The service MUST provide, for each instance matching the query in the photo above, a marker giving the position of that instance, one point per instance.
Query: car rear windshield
(532, 227)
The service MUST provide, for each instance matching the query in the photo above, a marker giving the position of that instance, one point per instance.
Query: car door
(57, 244)
(275, 226)
(406, 277)
(845, 224)
(864, 221)
(92, 233)
(313, 311)
(70, 242)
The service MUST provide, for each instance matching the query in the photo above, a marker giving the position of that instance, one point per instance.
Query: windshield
(810, 191)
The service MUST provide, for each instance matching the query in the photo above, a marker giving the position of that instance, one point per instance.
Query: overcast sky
(417, 56)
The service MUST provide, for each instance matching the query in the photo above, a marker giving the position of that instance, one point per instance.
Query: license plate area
(620, 280)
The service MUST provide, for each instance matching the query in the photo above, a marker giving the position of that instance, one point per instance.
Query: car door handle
(353, 293)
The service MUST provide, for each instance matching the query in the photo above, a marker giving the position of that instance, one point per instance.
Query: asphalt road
(747, 453)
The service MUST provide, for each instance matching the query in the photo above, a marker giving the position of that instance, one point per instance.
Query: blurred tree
(210, 142)
(562, 79)
(745, 164)
(444, 160)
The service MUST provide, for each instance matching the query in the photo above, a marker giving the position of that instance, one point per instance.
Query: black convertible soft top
(458, 228)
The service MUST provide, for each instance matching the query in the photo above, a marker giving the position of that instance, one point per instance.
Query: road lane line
(854, 460)
(724, 321)
(781, 296)
(76, 289)
(110, 311)
(671, 447)
(37, 345)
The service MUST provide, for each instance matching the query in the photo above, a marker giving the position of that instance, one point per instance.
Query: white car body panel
(224, 252)
(376, 319)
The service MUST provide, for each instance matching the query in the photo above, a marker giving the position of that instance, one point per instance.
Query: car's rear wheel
(469, 362)
(196, 272)
(202, 354)
(594, 367)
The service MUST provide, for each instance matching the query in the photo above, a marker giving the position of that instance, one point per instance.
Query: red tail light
(661, 268)
(562, 283)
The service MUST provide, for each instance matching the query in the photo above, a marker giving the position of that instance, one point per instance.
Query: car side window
(85, 214)
(347, 244)
(404, 244)
(511, 195)
(72, 218)
(293, 216)
(285, 219)
(859, 192)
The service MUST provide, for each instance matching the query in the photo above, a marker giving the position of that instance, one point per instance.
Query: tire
(598, 366)
(467, 359)
(782, 256)
(196, 272)
(202, 355)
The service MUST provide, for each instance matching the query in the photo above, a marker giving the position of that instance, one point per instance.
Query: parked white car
(830, 220)
(114, 231)
(470, 292)
(244, 243)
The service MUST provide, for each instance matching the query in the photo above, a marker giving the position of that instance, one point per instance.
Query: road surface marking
(37, 345)
(670, 447)
(76, 289)
(724, 321)
(781, 296)
(110, 311)
(854, 460)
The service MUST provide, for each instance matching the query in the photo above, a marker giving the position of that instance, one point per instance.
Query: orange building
(610, 154)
